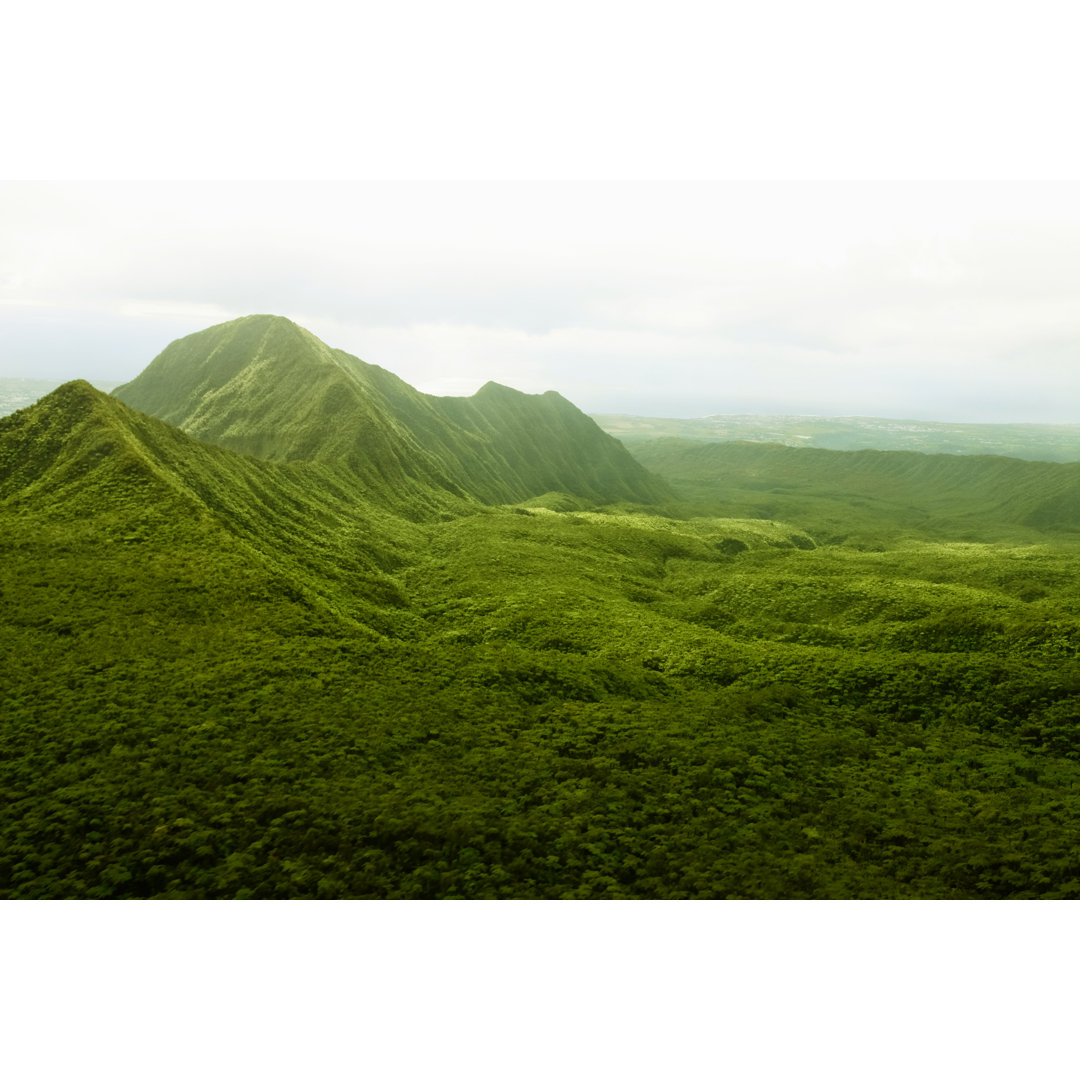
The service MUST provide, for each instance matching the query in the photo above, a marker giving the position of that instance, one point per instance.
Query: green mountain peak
(267, 387)
(78, 450)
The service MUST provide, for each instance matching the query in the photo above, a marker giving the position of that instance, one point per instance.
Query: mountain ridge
(267, 387)
(94, 471)
(58, 445)
(947, 490)
(223, 676)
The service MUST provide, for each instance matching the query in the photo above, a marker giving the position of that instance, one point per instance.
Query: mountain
(1035, 442)
(339, 674)
(79, 452)
(95, 474)
(266, 387)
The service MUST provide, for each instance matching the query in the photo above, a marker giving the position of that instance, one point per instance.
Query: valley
(279, 626)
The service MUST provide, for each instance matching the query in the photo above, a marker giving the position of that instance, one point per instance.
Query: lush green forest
(343, 674)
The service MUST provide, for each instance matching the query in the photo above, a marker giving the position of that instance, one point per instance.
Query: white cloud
(685, 298)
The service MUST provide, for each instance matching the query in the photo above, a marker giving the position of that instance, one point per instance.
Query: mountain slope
(228, 677)
(547, 444)
(266, 387)
(90, 472)
(935, 491)
(78, 453)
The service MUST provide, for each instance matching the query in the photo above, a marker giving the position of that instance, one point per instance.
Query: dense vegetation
(842, 495)
(265, 386)
(231, 677)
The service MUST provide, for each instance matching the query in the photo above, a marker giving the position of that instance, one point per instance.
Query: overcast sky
(670, 217)
(763, 285)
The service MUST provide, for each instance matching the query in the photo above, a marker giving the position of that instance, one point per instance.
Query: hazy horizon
(107, 385)
(944, 301)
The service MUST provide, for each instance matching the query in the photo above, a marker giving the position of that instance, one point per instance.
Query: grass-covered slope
(85, 469)
(266, 387)
(545, 444)
(576, 709)
(833, 492)
(229, 677)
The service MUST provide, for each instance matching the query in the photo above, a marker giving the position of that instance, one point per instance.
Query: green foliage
(869, 498)
(229, 677)
(264, 386)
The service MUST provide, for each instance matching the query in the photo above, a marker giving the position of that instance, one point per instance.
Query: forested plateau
(276, 625)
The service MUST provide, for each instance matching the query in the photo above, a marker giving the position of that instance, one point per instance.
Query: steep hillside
(222, 676)
(266, 387)
(547, 444)
(824, 489)
(85, 471)
(80, 453)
